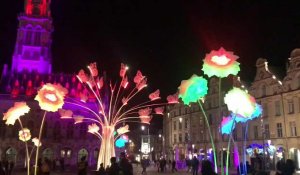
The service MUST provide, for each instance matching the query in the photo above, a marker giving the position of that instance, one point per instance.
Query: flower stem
(26, 147)
(210, 135)
(37, 149)
(221, 143)
(244, 149)
(228, 146)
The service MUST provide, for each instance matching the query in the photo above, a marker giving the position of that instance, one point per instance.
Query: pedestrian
(11, 167)
(114, 168)
(195, 165)
(161, 164)
(125, 165)
(62, 164)
(101, 170)
(206, 168)
(157, 165)
(289, 167)
(1, 169)
(82, 166)
(279, 167)
(45, 169)
(144, 165)
(174, 166)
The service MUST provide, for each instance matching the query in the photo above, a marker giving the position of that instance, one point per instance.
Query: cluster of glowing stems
(113, 107)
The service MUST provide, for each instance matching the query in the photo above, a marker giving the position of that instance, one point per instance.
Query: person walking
(2, 172)
(101, 170)
(45, 169)
(125, 165)
(279, 167)
(82, 166)
(289, 168)
(114, 168)
(206, 168)
(174, 166)
(144, 165)
(195, 165)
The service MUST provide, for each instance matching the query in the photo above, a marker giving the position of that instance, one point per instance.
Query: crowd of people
(6, 167)
(123, 167)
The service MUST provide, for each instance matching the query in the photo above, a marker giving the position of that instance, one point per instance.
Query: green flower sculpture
(193, 89)
(220, 63)
(240, 102)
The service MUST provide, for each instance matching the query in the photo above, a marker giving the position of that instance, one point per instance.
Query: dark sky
(166, 39)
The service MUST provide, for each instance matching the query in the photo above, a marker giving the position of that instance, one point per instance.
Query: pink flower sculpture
(154, 95)
(36, 142)
(142, 84)
(65, 114)
(145, 115)
(24, 134)
(159, 110)
(82, 77)
(100, 82)
(124, 82)
(138, 77)
(123, 70)
(78, 119)
(172, 98)
(124, 101)
(93, 69)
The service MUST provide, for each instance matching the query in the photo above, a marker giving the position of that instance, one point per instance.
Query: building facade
(185, 130)
(31, 68)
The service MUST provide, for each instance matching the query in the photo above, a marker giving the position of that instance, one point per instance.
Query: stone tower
(33, 46)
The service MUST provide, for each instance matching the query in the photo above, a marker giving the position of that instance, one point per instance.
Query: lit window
(279, 130)
(291, 106)
(293, 128)
(277, 108)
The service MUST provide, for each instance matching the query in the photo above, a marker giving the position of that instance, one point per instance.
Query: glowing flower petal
(93, 69)
(172, 98)
(193, 89)
(145, 115)
(138, 77)
(120, 142)
(123, 130)
(124, 82)
(93, 128)
(227, 125)
(142, 84)
(240, 102)
(82, 77)
(78, 119)
(65, 114)
(124, 101)
(100, 83)
(13, 113)
(24, 134)
(159, 110)
(36, 142)
(220, 63)
(123, 70)
(154, 95)
(51, 97)
(257, 112)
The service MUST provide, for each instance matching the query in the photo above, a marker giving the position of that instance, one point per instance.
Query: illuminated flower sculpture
(36, 142)
(14, 113)
(24, 134)
(114, 106)
(193, 89)
(240, 102)
(220, 63)
(51, 97)
(227, 125)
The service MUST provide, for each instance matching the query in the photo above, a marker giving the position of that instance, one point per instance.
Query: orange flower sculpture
(51, 97)
(24, 135)
(15, 112)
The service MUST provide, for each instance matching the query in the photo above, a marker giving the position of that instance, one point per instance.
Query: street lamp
(143, 128)
(159, 135)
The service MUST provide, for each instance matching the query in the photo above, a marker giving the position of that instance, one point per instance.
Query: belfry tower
(33, 46)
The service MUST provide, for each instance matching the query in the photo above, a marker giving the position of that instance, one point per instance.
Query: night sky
(165, 39)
